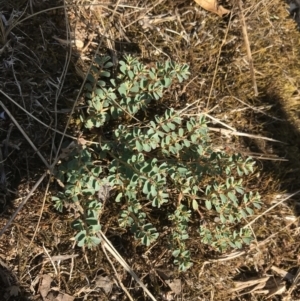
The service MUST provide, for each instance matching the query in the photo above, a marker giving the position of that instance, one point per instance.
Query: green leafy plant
(133, 89)
(165, 162)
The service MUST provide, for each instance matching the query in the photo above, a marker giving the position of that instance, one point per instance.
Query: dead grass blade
(247, 44)
(49, 257)
(116, 273)
(258, 110)
(257, 282)
(39, 220)
(269, 286)
(229, 132)
(271, 208)
(61, 82)
(217, 63)
(25, 135)
(36, 119)
(283, 273)
(37, 184)
(110, 248)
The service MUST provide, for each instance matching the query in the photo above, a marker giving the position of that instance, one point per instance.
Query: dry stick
(248, 49)
(24, 134)
(255, 155)
(258, 110)
(159, 50)
(229, 132)
(217, 63)
(40, 216)
(24, 202)
(51, 260)
(219, 121)
(116, 273)
(106, 243)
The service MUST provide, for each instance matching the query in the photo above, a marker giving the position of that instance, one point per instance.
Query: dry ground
(46, 48)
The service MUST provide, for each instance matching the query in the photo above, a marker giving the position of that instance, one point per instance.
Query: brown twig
(248, 49)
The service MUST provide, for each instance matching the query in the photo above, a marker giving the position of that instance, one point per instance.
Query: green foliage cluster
(134, 88)
(167, 162)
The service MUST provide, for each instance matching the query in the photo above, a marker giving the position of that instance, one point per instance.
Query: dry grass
(45, 55)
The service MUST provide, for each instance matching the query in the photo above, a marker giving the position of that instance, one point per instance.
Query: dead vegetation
(245, 77)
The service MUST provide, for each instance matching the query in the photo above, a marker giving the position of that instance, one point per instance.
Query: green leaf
(104, 74)
(108, 65)
(247, 240)
(171, 126)
(184, 236)
(138, 146)
(208, 205)
(231, 218)
(91, 221)
(130, 74)
(223, 219)
(95, 240)
(195, 205)
(239, 189)
(123, 89)
(80, 237)
(243, 213)
(249, 210)
(257, 205)
(238, 244)
(91, 79)
(165, 128)
(187, 143)
(119, 196)
(223, 198)
(135, 88)
(176, 253)
(95, 228)
(180, 132)
(189, 126)
(153, 191)
(147, 187)
(152, 73)
(146, 147)
(233, 197)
